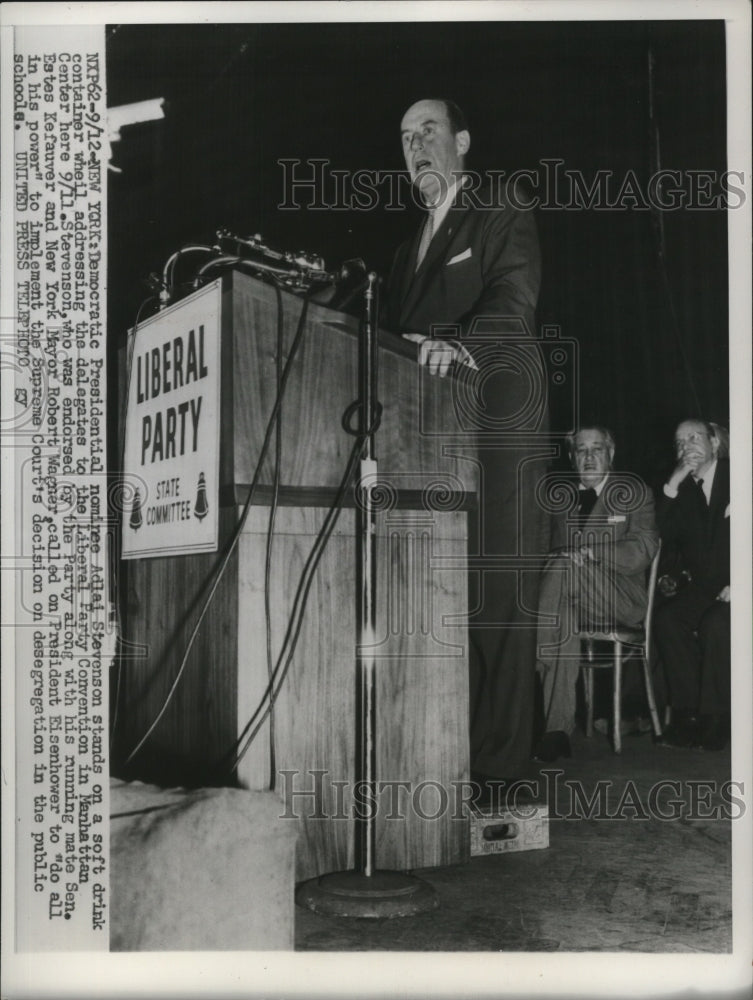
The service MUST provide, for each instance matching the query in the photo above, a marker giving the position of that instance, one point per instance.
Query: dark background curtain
(643, 293)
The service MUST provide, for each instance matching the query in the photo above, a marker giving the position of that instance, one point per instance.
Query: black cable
(657, 218)
(260, 268)
(238, 528)
(270, 532)
(295, 621)
(168, 272)
(299, 605)
(675, 327)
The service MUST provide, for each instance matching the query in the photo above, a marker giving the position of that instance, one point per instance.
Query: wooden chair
(627, 643)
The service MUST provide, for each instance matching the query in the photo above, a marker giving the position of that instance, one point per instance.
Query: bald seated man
(692, 626)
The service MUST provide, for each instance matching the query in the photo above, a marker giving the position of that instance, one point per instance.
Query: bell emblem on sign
(136, 518)
(201, 507)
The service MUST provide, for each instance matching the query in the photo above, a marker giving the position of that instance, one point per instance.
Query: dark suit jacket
(481, 262)
(697, 539)
(627, 540)
(486, 262)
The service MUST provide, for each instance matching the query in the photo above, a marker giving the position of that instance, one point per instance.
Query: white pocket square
(616, 518)
(726, 512)
(459, 256)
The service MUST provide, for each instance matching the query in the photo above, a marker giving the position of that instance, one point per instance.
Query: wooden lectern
(428, 477)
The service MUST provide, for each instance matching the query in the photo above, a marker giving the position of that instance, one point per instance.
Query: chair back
(652, 577)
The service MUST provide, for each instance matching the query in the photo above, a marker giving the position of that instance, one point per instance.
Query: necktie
(586, 502)
(701, 497)
(426, 235)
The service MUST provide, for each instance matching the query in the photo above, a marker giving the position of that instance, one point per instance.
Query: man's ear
(714, 445)
(462, 142)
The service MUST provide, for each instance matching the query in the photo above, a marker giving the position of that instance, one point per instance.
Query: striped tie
(426, 235)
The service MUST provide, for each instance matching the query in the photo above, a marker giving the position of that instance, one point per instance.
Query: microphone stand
(367, 891)
(366, 564)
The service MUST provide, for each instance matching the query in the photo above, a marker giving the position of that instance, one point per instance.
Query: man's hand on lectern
(439, 355)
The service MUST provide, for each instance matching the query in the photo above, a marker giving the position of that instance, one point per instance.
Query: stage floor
(611, 882)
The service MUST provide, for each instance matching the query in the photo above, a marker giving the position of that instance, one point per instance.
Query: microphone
(350, 283)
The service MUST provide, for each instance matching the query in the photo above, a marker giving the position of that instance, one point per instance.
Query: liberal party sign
(172, 440)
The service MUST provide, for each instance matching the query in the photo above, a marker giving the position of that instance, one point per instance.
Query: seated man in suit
(596, 575)
(693, 627)
(474, 261)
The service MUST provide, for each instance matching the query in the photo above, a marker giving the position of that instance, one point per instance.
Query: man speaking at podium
(474, 266)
